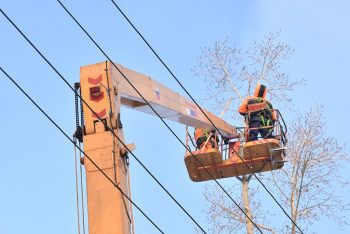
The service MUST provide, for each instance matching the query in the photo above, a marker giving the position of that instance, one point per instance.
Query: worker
(259, 115)
(201, 136)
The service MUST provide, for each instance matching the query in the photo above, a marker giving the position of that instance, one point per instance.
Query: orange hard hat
(260, 91)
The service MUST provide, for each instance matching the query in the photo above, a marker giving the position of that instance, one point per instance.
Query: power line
(137, 91)
(178, 81)
(106, 126)
(65, 134)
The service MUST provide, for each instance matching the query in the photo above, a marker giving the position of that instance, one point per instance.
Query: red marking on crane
(99, 114)
(96, 80)
(95, 94)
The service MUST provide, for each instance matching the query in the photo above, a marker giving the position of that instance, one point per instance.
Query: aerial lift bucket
(258, 156)
(252, 157)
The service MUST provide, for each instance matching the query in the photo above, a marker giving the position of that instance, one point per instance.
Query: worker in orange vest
(258, 114)
(201, 137)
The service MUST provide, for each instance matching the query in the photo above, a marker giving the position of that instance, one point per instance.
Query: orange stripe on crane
(95, 81)
(99, 114)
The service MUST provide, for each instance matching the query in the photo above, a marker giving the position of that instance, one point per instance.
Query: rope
(82, 191)
(131, 213)
(76, 184)
(80, 166)
(78, 132)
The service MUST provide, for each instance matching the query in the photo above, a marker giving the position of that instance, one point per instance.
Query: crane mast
(105, 89)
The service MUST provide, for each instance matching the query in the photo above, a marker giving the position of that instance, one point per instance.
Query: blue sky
(37, 172)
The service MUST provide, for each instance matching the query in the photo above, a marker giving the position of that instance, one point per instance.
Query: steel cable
(79, 131)
(76, 184)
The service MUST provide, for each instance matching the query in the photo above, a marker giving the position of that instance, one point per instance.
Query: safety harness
(260, 108)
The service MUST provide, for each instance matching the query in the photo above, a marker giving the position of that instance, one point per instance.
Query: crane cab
(238, 158)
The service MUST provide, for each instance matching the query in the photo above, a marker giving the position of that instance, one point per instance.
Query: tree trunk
(292, 209)
(245, 195)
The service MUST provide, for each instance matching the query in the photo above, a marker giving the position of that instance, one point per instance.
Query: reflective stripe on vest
(267, 123)
(257, 107)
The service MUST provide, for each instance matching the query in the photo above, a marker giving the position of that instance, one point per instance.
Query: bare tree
(228, 72)
(226, 217)
(307, 184)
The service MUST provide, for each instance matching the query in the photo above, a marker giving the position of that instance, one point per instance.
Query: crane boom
(105, 90)
(168, 104)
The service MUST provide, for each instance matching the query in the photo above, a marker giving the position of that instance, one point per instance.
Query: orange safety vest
(254, 106)
(200, 133)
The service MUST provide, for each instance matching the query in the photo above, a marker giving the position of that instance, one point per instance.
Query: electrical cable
(136, 90)
(156, 112)
(106, 126)
(177, 80)
(87, 156)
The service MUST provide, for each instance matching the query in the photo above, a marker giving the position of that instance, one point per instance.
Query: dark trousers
(264, 132)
